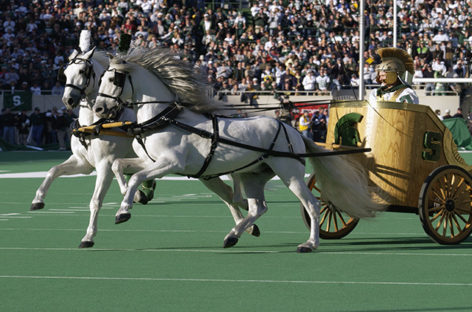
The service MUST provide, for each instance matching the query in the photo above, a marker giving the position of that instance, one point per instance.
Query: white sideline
(218, 280)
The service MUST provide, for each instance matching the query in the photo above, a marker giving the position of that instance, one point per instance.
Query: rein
(168, 117)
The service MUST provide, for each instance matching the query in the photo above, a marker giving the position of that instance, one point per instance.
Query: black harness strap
(159, 121)
(141, 142)
(214, 144)
(206, 134)
(80, 135)
(260, 158)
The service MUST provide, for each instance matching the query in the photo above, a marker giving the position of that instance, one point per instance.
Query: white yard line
(245, 250)
(218, 280)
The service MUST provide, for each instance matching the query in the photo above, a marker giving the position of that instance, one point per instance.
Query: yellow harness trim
(103, 127)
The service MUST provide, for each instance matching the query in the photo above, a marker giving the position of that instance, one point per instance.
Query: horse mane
(179, 76)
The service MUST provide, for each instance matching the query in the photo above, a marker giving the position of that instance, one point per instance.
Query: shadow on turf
(377, 244)
(240, 249)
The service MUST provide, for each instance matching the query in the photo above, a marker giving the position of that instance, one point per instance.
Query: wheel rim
(446, 210)
(333, 223)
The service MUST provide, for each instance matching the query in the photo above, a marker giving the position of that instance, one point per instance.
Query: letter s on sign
(16, 100)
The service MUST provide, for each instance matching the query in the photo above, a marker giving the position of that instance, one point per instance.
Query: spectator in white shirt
(309, 82)
(440, 37)
(323, 80)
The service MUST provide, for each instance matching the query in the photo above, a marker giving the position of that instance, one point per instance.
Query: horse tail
(343, 182)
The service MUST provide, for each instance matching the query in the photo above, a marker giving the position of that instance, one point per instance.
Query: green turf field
(169, 256)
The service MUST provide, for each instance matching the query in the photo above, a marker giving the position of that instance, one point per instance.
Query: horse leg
(156, 169)
(102, 184)
(119, 166)
(72, 165)
(253, 186)
(293, 178)
(225, 193)
(238, 198)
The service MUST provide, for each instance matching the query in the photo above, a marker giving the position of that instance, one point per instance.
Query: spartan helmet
(395, 62)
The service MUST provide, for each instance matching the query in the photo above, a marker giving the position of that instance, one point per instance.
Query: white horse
(180, 139)
(98, 152)
(90, 152)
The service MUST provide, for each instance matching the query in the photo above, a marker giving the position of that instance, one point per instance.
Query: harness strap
(289, 144)
(141, 142)
(214, 144)
(80, 135)
(160, 121)
(206, 134)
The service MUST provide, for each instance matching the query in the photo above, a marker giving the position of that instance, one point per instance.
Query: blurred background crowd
(305, 46)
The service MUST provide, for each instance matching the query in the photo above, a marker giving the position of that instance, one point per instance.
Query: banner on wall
(18, 101)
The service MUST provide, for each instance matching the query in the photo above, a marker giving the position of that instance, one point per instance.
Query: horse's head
(114, 90)
(77, 77)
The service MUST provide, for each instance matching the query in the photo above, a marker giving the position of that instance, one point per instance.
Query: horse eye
(81, 71)
(110, 79)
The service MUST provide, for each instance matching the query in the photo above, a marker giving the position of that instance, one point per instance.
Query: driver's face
(382, 76)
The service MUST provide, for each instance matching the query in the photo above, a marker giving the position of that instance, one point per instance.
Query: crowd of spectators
(37, 128)
(296, 45)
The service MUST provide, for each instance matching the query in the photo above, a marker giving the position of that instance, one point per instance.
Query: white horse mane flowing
(187, 142)
(180, 77)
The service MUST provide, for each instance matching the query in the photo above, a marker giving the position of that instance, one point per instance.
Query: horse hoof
(230, 242)
(37, 206)
(86, 244)
(255, 231)
(122, 218)
(142, 198)
(304, 249)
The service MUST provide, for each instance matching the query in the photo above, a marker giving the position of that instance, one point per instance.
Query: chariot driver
(395, 62)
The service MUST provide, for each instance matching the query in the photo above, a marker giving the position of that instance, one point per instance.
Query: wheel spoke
(342, 219)
(461, 217)
(323, 209)
(452, 227)
(329, 220)
(439, 222)
(458, 226)
(333, 223)
(458, 189)
(323, 219)
(437, 208)
(444, 226)
(335, 220)
(440, 213)
(438, 192)
(457, 186)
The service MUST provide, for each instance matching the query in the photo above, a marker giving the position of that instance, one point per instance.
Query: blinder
(61, 77)
(119, 79)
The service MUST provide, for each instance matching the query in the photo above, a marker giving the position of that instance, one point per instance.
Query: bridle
(88, 72)
(119, 80)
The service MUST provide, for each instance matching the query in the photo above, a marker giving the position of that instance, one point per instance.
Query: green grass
(169, 256)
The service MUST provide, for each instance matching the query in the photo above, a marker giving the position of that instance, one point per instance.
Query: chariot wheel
(445, 205)
(334, 224)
